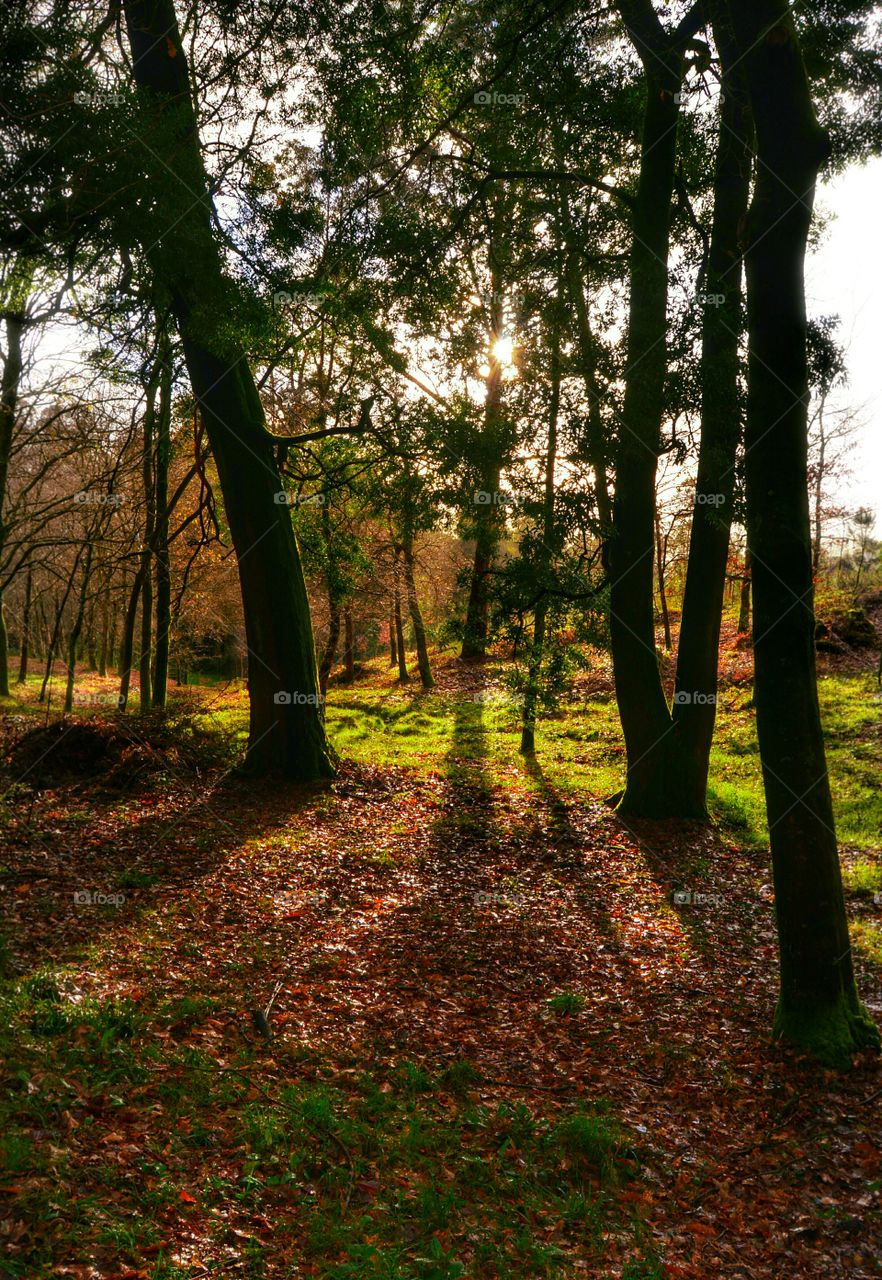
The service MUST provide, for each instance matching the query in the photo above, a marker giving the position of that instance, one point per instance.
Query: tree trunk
(393, 642)
(660, 561)
(485, 503)
(818, 1008)
(698, 646)
(349, 644)
(403, 675)
(147, 480)
(4, 652)
(654, 779)
(25, 629)
(540, 615)
(76, 630)
(160, 538)
(12, 369)
(127, 644)
(286, 732)
(819, 491)
(416, 615)
(334, 603)
(744, 600)
(330, 650)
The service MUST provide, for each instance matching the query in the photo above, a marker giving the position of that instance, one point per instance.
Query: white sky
(844, 277)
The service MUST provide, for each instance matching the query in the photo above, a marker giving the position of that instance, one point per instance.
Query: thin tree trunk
(654, 781)
(540, 615)
(662, 592)
(25, 629)
(486, 511)
(744, 600)
(393, 642)
(286, 732)
(4, 652)
(416, 615)
(75, 631)
(698, 646)
(403, 674)
(160, 538)
(349, 644)
(819, 492)
(148, 484)
(818, 1007)
(127, 644)
(12, 369)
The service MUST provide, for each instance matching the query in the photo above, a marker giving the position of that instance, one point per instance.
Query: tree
(286, 725)
(818, 1006)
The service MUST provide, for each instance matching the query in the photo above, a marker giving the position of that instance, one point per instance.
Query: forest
(440, 643)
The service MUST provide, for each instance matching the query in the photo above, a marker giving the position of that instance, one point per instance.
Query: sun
(503, 351)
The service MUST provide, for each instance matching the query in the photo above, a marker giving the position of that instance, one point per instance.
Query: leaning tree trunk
(416, 615)
(818, 1007)
(654, 780)
(286, 732)
(698, 645)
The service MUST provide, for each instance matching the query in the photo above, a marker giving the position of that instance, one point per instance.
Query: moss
(831, 1035)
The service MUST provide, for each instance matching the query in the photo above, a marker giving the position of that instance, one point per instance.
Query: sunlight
(503, 351)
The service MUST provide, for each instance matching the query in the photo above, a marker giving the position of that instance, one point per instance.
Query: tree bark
(698, 646)
(160, 538)
(416, 614)
(25, 629)
(540, 615)
(12, 369)
(818, 1007)
(393, 641)
(403, 674)
(660, 562)
(286, 732)
(744, 600)
(653, 787)
(76, 630)
(486, 511)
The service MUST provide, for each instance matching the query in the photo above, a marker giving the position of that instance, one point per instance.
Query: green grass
(395, 1169)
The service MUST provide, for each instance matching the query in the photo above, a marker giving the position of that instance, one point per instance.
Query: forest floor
(511, 1036)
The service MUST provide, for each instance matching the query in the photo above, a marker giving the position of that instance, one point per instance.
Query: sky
(844, 277)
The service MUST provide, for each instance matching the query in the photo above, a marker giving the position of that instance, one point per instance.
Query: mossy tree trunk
(818, 1008)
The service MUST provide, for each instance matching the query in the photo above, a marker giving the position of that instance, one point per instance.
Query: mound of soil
(66, 752)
